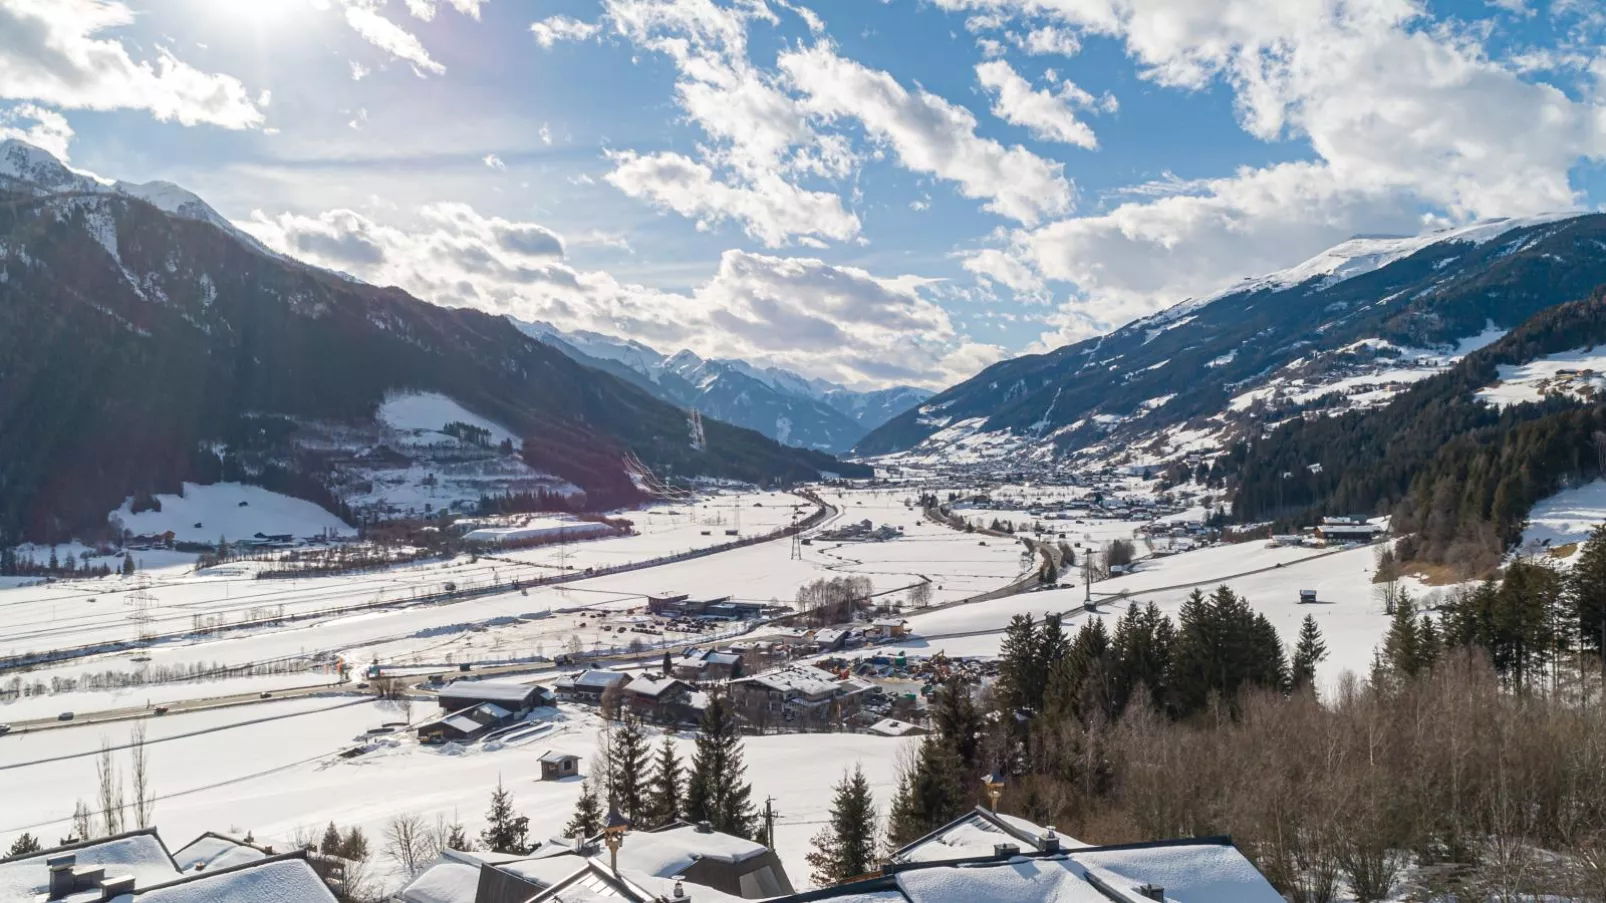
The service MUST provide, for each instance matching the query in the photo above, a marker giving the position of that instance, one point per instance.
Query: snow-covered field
(1580, 374)
(232, 511)
(1566, 517)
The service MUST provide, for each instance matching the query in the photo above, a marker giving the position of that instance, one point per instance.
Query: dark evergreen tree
(330, 844)
(128, 564)
(587, 820)
(1019, 671)
(666, 789)
(354, 845)
(846, 847)
(627, 770)
(24, 844)
(717, 791)
(1402, 645)
(931, 795)
(958, 723)
(1309, 652)
(504, 831)
(1586, 591)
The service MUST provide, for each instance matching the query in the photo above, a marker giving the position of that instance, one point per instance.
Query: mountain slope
(1205, 358)
(135, 342)
(792, 409)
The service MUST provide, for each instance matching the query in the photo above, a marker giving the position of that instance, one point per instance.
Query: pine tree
(1402, 648)
(846, 848)
(627, 776)
(716, 792)
(354, 845)
(587, 820)
(457, 839)
(330, 845)
(24, 844)
(504, 832)
(930, 795)
(1430, 644)
(669, 663)
(1309, 652)
(1018, 667)
(128, 564)
(666, 790)
(1586, 591)
(956, 720)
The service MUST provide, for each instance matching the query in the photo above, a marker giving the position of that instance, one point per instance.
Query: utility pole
(770, 815)
(797, 539)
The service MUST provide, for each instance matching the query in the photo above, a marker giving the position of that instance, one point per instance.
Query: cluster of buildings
(1333, 531)
(863, 531)
(472, 709)
(723, 608)
(137, 867)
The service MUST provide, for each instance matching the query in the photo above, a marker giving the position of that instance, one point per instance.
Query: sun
(260, 13)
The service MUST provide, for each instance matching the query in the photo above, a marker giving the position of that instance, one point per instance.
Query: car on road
(161, 710)
(64, 716)
(5, 729)
(363, 685)
(265, 695)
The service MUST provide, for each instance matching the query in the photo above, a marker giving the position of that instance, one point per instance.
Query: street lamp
(995, 787)
(613, 834)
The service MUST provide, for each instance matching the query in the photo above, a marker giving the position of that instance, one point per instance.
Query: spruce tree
(627, 776)
(1429, 643)
(330, 844)
(26, 843)
(666, 789)
(1309, 651)
(846, 847)
(958, 723)
(931, 795)
(354, 845)
(128, 564)
(1402, 644)
(1586, 591)
(587, 820)
(1018, 667)
(717, 791)
(504, 832)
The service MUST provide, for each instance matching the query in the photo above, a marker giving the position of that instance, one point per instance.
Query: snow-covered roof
(462, 723)
(975, 834)
(1190, 872)
(498, 690)
(889, 727)
(1020, 881)
(554, 757)
(492, 710)
(807, 681)
(273, 881)
(647, 685)
(140, 854)
(447, 881)
(594, 679)
(672, 850)
(215, 851)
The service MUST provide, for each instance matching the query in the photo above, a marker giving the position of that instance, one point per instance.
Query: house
(589, 686)
(136, 867)
(465, 725)
(517, 698)
(830, 639)
(678, 861)
(888, 727)
(1340, 530)
(556, 765)
(665, 700)
(889, 628)
(805, 697)
(708, 664)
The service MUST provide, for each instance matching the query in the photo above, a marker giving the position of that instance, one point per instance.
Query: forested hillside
(1460, 473)
(136, 344)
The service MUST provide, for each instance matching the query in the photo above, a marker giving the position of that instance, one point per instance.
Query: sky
(870, 191)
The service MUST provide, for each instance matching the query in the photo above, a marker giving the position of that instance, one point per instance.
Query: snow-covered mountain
(1350, 327)
(787, 407)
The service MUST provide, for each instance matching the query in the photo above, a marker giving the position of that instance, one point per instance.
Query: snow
(1190, 873)
(212, 852)
(217, 509)
(1537, 379)
(447, 881)
(141, 856)
(425, 412)
(1566, 517)
(272, 882)
(1023, 880)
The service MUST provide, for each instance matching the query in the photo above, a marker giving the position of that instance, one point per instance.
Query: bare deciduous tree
(110, 793)
(407, 842)
(139, 768)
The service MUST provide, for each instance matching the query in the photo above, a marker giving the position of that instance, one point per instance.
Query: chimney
(679, 893)
(1005, 851)
(86, 878)
(1153, 892)
(61, 874)
(112, 888)
(1050, 842)
(705, 827)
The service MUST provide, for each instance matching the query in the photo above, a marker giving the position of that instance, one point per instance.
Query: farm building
(556, 765)
(665, 700)
(515, 697)
(707, 664)
(465, 724)
(588, 686)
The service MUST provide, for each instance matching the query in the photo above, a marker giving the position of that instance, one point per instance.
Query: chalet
(708, 664)
(556, 765)
(589, 686)
(1341, 530)
(806, 697)
(889, 628)
(516, 698)
(136, 867)
(664, 700)
(466, 724)
(888, 727)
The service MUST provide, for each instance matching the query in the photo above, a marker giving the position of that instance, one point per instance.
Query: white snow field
(205, 513)
(1580, 374)
(427, 412)
(1566, 517)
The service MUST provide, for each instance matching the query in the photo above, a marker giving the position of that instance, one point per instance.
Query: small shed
(556, 765)
(1307, 595)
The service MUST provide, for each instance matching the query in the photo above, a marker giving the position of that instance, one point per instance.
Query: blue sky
(872, 192)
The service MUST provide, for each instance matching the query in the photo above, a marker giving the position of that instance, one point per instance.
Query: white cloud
(1404, 113)
(358, 71)
(842, 323)
(930, 135)
(425, 9)
(495, 162)
(1051, 116)
(545, 133)
(391, 38)
(51, 52)
(771, 209)
(553, 29)
(49, 130)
